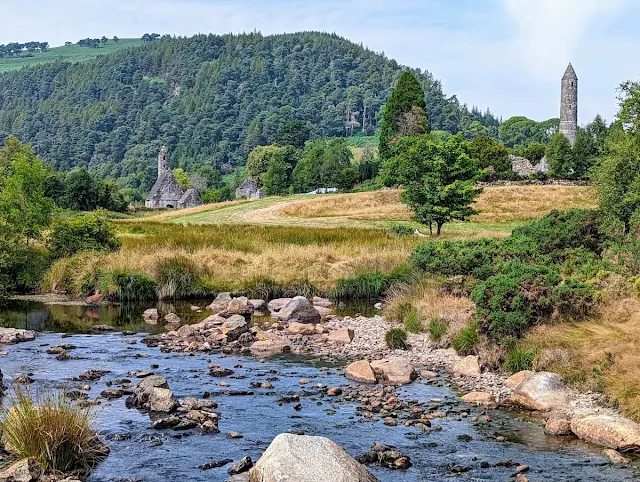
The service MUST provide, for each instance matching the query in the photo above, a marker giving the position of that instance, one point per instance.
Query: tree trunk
(431, 228)
(439, 229)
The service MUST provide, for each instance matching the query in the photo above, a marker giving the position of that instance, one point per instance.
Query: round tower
(163, 161)
(569, 104)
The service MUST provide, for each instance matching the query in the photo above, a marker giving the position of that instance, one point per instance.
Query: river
(141, 454)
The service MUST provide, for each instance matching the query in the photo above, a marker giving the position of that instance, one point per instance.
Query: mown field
(72, 53)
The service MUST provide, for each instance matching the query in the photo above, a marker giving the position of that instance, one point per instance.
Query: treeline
(94, 43)
(15, 49)
(211, 99)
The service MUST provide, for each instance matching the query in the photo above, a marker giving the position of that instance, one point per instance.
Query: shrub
(22, 267)
(466, 339)
(451, 258)
(53, 431)
(412, 322)
(396, 339)
(89, 232)
(402, 229)
(575, 299)
(519, 359)
(560, 230)
(178, 277)
(437, 329)
(514, 299)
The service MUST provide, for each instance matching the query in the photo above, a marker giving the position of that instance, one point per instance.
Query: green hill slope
(209, 98)
(72, 53)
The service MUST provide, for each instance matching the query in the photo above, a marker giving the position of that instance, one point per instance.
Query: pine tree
(406, 101)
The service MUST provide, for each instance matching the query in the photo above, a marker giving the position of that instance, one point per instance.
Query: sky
(505, 55)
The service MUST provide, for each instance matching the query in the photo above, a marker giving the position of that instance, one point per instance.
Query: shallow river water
(150, 455)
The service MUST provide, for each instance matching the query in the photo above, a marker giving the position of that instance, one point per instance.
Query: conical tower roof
(570, 73)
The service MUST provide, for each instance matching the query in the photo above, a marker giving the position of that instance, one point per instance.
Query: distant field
(73, 53)
(502, 208)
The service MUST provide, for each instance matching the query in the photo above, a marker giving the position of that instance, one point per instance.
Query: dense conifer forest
(211, 99)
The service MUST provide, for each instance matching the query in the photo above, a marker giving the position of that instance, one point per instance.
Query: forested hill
(209, 98)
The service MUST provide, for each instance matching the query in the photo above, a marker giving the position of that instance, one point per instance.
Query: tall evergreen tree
(405, 108)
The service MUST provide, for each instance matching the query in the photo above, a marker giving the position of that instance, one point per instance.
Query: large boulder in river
(361, 371)
(9, 336)
(612, 431)
(309, 459)
(542, 391)
(220, 303)
(151, 316)
(517, 378)
(235, 326)
(277, 304)
(153, 394)
(396, 370)
(238, 306)
(300, 310)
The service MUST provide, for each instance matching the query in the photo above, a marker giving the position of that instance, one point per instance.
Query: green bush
(402, 229)
(396, 339)
(437, 329)
(575, 299)
(519, 359)
(89, 232)
(412, 322)
(517, 297)
(561, 230)
(451, 258)
(466, 339)
(22, 267)
(178, 278)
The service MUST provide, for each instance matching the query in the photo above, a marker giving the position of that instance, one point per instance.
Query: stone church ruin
(166, 192)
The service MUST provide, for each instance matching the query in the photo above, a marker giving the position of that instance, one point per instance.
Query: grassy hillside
(72, 53)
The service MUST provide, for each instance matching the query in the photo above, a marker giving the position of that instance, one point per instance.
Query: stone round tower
(569, 104)
(163, 161)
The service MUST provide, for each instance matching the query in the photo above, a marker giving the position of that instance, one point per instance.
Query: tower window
(571, 83)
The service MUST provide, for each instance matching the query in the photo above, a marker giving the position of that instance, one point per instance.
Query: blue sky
(508, 55)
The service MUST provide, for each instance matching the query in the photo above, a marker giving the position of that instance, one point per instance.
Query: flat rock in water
(300, 310)
(277, 304)
(341, 335)
(361, 371)
(303, 458)
(270, 347)
(613, 431)
(398, 370)
(558, 423)
(484, 399)
(542, 391)
(235, 326)
(301, 328)
(9, 336)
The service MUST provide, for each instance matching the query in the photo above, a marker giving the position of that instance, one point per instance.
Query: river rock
(296, 328)
(559, 423)
(361, 371)
(341, 335)
(278, 304)
(9, 336)
(324, 312)
(468, 367)
(220, 303)
(235, 326)
(238, 306)
(385, 456)
(542, 391)
(484, 399)
(615, 457)
(322, 302)
(2, 387)
(241, 467)
(186, 332)
(271, 346)
(396, 370)
(309, 459)
(300, 310)
(162, 400)
(25, 470)
(151, 316)
(613, 431)
(517, 378)
(172, 319)
(259, 305)
(153, 394)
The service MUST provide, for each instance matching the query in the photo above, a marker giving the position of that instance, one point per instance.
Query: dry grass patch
(520, 203)
(178, 213)
(600, 354)
(431, 304)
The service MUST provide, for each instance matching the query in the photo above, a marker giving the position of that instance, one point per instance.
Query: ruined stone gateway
(166, 192)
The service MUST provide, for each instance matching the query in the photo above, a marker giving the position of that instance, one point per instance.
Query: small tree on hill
(560, 156)
(405, 111)
(490, 153)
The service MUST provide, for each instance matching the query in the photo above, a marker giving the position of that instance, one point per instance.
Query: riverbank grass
(52, 430)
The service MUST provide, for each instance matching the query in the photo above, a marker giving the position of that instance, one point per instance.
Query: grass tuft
(396, 339)
(178, 277)
(437, 328)
(519, 358)
(53, 431)
(412, 322)
(466, 339)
